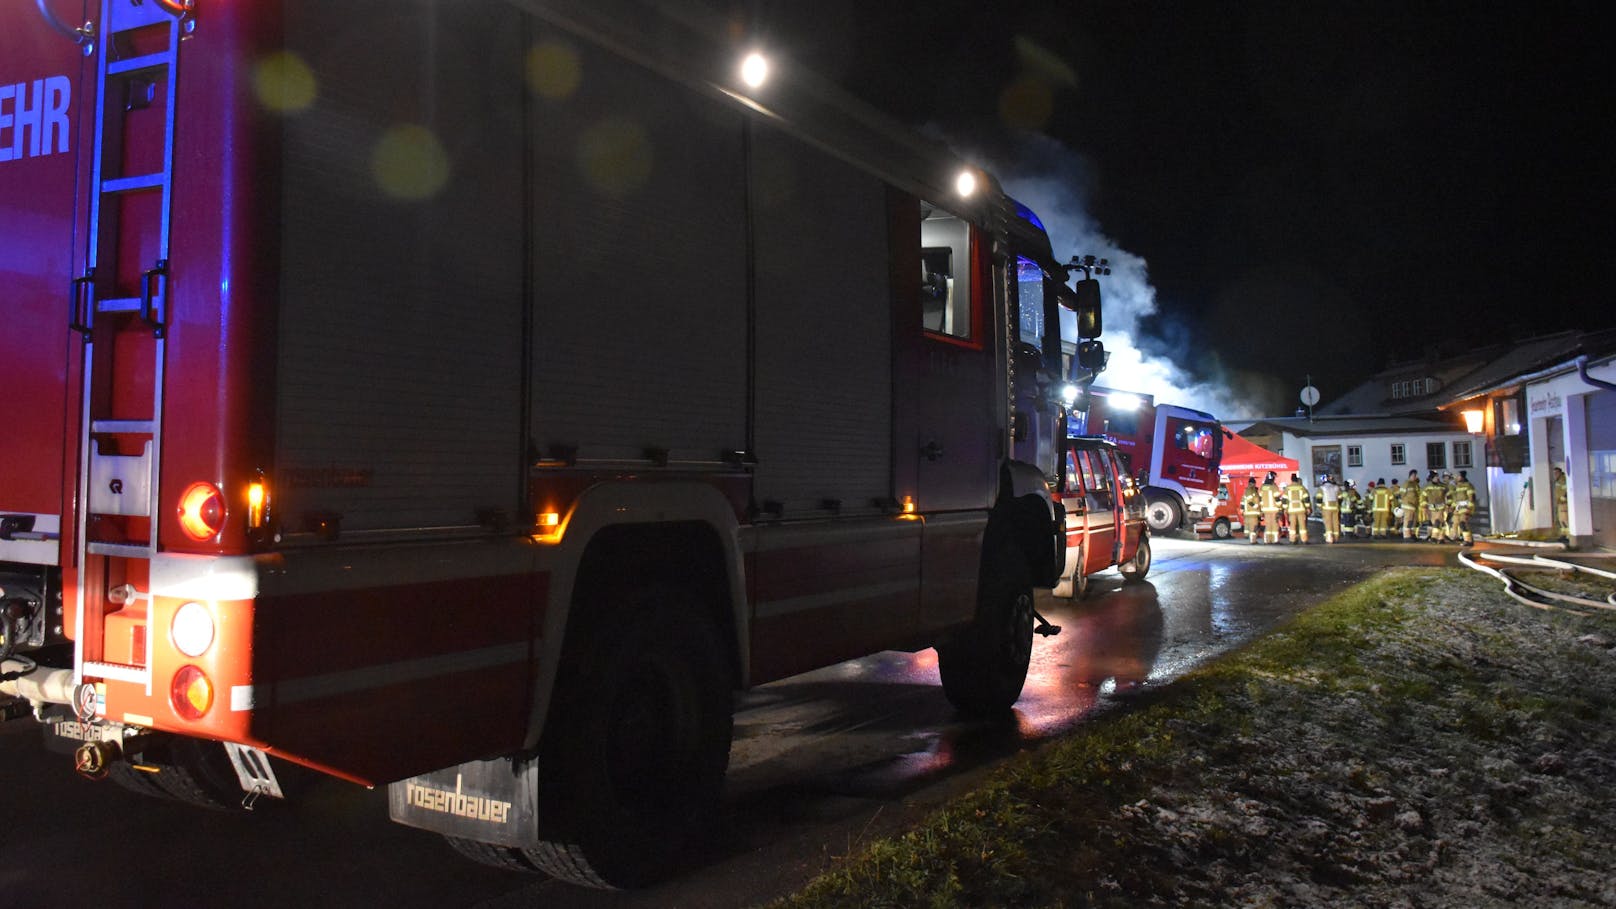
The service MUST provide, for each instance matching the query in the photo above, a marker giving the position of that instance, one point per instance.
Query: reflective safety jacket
(1251, 502)
(1383, 499)
(1296, 498)
(1329, 495)
(1349, 501)
(1410, 495)
(1435, 495)
(1464, 496)
(1269, 494)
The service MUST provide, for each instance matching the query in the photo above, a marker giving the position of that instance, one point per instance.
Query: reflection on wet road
(822, 763)
(880, 724)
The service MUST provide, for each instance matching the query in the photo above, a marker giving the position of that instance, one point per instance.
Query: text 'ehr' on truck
(471, 396)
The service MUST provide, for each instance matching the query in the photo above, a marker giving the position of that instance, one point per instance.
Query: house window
(1461, 455)
(1398, 456)
(1436, 456)
(1602, 474)
(1354, 455)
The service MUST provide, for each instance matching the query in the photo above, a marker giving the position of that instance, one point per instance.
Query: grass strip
(1420, 739)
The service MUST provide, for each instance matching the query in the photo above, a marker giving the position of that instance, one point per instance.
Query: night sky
(1318, 189)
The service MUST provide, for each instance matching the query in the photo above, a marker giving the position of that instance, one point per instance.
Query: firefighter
(1449, 483)
(1350, 502)
(1435, 499)
(1269, 499)
(1251, 509)
(1408, 499)
(1419, 505)
(1298, 504)
(1464, 502)
(1562, 504)
(1380, 509)
(1330, 508)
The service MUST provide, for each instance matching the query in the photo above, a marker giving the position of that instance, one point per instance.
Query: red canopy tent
(1245, 459)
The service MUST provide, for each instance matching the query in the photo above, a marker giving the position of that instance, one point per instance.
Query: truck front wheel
(1164, 514)
(632, 760)
(984, 667)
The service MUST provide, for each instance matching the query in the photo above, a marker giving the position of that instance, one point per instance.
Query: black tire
(506, 857)
(984, 667)
(1163, 514)
(632, 760)
(1080, 581)
(195, 772)
(1136, 568)
(1221, 529)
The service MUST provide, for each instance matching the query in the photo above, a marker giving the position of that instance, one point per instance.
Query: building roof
(1352, 425)
(1468, 374)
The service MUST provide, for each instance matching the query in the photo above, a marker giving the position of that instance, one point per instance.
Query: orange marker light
(201, 511)
(257, 504)
(191, 692)
(908, 504)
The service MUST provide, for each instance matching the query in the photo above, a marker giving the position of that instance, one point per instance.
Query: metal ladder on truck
(119, 307)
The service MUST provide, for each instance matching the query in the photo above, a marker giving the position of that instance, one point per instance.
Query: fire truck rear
(1172, 451)
(471, 396)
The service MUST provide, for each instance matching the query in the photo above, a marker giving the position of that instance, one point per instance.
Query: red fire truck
(1172, 452)
(469, 396)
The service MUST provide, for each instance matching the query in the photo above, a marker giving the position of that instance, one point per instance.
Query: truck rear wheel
(632, 761)
(490, 854)
(193, 771)
(1221, 529)
(1164, 514)
(985, 666)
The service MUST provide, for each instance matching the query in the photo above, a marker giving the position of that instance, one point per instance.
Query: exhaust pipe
(25, 680)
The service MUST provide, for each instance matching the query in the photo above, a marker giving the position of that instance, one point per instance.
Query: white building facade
(1571, 419)
(1374, 448)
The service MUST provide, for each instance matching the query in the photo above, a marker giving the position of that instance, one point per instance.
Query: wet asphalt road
(822, 762)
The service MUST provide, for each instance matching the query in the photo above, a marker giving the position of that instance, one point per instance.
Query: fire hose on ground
(1537, 597)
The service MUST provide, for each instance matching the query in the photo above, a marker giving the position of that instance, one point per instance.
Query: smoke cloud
(1052, 180)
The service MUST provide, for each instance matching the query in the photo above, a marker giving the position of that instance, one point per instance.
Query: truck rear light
(191, 692)
(192, 629)
(201, 511)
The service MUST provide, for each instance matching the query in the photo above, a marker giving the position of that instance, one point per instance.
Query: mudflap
(490, 801)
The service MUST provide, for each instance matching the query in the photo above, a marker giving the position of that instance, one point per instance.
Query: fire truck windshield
(1198, 439)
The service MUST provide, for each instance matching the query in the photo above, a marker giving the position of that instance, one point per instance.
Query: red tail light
(191, 693)
(201, 511)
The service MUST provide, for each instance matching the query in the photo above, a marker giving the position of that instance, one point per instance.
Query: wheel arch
(621, 535)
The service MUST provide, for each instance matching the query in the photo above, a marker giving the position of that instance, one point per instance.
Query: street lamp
(755, 70)
(1473, 421)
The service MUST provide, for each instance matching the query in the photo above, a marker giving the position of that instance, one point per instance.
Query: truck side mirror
(1088, 308)
(1091, 356)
